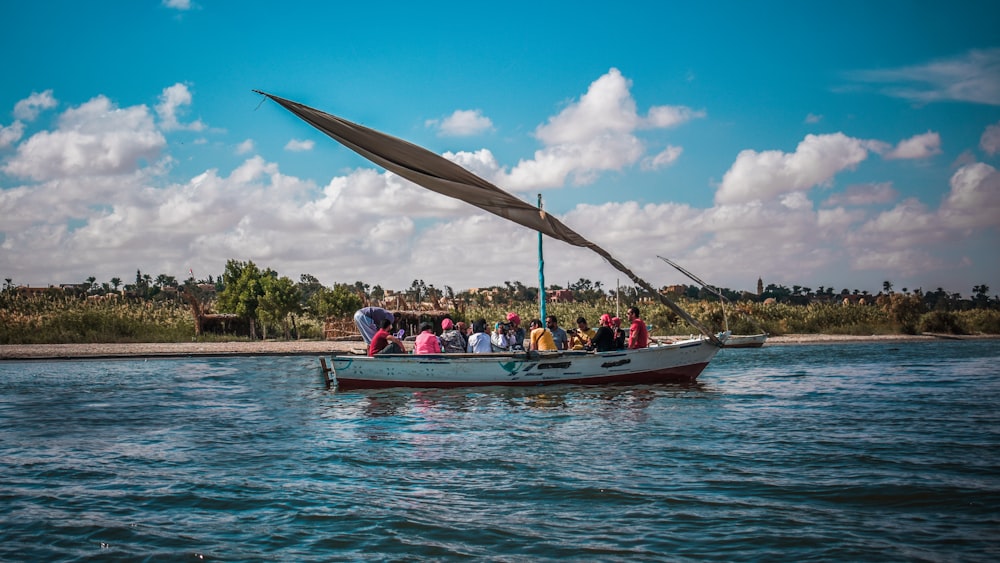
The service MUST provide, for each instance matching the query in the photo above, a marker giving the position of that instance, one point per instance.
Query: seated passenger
(499, 339)
(580, 338)
(604, 338)
(385, 343)
(515, 332)
(620, 334)
(452, 340)
(479, 341)
(541, 337)
(559, 335)
(427, 342)
(369, 319)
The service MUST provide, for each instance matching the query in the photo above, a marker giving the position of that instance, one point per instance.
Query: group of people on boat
(376, 327)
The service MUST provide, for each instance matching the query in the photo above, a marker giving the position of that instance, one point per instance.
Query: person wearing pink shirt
(427, 342)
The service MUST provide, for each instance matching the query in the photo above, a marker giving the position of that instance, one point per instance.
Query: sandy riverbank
(316, 347)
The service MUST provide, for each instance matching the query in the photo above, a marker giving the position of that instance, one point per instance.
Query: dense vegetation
(272, 306)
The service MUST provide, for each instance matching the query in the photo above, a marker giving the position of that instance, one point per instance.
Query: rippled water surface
(821, 452)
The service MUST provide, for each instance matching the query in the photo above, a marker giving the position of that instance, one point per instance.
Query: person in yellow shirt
(580, 338)
(541, 337)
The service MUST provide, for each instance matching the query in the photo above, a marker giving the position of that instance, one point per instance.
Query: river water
(833, 452)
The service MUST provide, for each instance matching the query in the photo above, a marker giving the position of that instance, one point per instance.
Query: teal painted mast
(541, 270)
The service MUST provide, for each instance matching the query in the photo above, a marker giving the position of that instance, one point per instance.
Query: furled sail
(436, 173)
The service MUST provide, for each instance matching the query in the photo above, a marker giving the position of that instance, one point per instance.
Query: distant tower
(760, 286)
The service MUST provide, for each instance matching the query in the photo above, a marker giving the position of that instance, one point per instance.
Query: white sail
(438, 174)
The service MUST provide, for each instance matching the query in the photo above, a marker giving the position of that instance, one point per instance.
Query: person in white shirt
(479, 341)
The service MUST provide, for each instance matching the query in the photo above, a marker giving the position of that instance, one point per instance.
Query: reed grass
(71, 320)
(49, 319)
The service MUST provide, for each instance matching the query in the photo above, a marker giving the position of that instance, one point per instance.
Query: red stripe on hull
(679, 374)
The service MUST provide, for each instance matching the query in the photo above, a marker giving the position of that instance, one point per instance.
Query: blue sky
(838, 145)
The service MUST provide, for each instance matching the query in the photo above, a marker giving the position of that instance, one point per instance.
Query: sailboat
(680, 361)
(734, 340)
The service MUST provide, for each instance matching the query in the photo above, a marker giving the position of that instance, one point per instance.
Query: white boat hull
(746, 341)
(678, 362)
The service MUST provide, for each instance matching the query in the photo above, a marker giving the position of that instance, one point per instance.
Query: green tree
(906, 310)
(116, 282)
(585, 291)
(361, 288)
(340, 301)
(981, 295)
(278, 303)
(163, 280)
(308, 285)
(242, 291)
(417, 291)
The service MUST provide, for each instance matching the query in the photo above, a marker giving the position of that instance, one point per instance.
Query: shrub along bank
(66, 319)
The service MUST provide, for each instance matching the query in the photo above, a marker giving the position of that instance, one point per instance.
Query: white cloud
(178, 4)
(86, 215)
(990, 141)
(766, 175)
(462, 123)
(903, 261)
(29, 108)
(919, 146)
(296, 145)
(665, 158)
(245, 147)
(864, 194)
(972, 77)
(974, 199)
(899, 239)
(95, 138)
(481, 163)
(903, 223)
(11, 134)
(607, 108)
(594, 135)
(813, 118)
(173, 99)
(661, 117)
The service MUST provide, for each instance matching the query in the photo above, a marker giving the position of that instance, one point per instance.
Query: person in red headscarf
(604, 338)
(515, 332)
(452, 340)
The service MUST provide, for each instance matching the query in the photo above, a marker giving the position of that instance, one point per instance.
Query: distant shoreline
(319, 347)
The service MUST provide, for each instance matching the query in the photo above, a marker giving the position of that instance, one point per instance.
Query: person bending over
(369, 319)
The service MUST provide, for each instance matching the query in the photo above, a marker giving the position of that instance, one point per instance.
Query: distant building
(678, 289)
(28, 291)
(562, 296)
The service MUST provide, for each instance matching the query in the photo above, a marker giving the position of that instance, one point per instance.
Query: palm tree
(115, 282)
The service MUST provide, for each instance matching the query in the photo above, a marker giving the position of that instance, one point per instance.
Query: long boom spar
(712, 289)
(438, 174)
